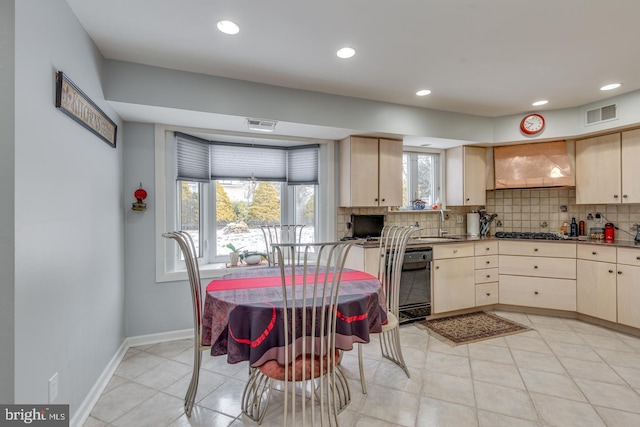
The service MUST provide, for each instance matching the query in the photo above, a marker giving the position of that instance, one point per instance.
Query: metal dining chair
(393, 243)
(187, 247)
(310, 359)
(281, 233)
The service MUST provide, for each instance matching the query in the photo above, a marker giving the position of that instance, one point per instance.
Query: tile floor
(563, 373)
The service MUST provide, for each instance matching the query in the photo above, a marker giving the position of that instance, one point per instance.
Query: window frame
(168, 267)
(439, 175)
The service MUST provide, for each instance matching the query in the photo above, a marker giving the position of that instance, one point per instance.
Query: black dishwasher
(415, 285)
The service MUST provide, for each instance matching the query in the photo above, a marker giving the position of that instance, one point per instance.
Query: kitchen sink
(435, 239)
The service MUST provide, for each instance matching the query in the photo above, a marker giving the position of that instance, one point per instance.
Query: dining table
(243, 309)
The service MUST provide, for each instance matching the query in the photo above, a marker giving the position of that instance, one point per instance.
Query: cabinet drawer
(457, 250)
(548, 249)
(486, 248)
(558, 294)
(537, 266)
(490, 261)
(487, 275)
(598, 253)
(487, 293)
(629, 256)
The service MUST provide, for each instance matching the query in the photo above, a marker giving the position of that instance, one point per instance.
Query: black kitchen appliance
(415, 285)
(367, 226)
(526, 235)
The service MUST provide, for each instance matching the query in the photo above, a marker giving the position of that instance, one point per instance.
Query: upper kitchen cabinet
(370, 172)
(466, 183)
(605, 169)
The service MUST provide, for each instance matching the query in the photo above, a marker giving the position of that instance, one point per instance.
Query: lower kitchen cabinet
(628, 275)
(453, 284)
(487, 293)
(596, 281)
(542, 292)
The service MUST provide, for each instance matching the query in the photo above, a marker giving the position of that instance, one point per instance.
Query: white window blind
(238, 161)
(302, 165)
(202, 160)
(192, 156)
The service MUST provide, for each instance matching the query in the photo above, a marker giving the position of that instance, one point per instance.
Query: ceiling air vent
(602, 114)
(261, 125)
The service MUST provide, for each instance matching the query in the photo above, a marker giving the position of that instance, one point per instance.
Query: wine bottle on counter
(574, 227)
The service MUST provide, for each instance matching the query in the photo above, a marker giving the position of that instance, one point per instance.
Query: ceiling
(483, 57)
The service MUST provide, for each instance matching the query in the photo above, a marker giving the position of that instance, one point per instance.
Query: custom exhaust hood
(543, 164)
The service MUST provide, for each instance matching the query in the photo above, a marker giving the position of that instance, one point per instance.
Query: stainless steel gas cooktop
(526, 235)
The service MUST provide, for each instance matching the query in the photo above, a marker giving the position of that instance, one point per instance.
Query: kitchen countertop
(425, 241)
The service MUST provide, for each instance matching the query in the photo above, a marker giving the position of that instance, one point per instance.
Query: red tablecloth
(242, 313)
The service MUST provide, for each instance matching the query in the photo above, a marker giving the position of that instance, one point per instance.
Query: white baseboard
(83, 412)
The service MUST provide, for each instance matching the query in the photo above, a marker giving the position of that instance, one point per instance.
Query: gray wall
(69, 263)
(7, 294)
(150, 307)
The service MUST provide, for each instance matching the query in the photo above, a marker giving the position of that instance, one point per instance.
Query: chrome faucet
(441, 232)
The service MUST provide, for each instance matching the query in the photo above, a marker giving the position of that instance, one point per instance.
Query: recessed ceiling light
(611, 86)
(346, 52)
(228, 27)
(423, 92)
(539, 103)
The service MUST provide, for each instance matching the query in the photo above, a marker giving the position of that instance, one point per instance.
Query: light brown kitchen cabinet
(453, 277)
(486, 264)
(596, 282)
(628, 277)
(364, 259)
(370, 172)
(605, 169)
(465, 176)
(538, 274)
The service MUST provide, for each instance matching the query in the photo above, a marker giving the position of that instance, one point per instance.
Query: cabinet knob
(610, 271)
(488, 262)
(593, 253)
(486, 249)
(624, 196)
(619, 272)
(536, 292)
(488, 294)
(535, 266)
(376, 199)
(615, 196)
(383, 200)
(455, 251)
(468, 199)
(488, 275)
(535, 250)
(638, 257)
(437, 267)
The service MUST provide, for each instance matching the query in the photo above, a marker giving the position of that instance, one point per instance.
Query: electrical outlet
(459, 219)
(53, 388)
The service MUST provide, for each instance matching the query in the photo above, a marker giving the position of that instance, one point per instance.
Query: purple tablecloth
(242, 313)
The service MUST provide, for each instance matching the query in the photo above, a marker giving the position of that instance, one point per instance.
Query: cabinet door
(596, 289)
(598, 170)
(364, 171)
(558, 294)
(630, 156)
(390, 174)
(475, 186)
(628, 295)
(453, 284)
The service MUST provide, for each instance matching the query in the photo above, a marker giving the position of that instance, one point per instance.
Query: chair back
(310, 336)
(393, 244)
(281, 233)
(188, 249)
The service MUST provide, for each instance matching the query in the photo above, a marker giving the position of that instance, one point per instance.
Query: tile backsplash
(535, 210)
(539, 210)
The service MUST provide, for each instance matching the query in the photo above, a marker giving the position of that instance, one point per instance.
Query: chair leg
(390, 347)
(190, 397)
(363, 381)
(254, 400)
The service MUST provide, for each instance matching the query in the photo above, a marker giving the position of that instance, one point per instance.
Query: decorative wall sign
(74, 103)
